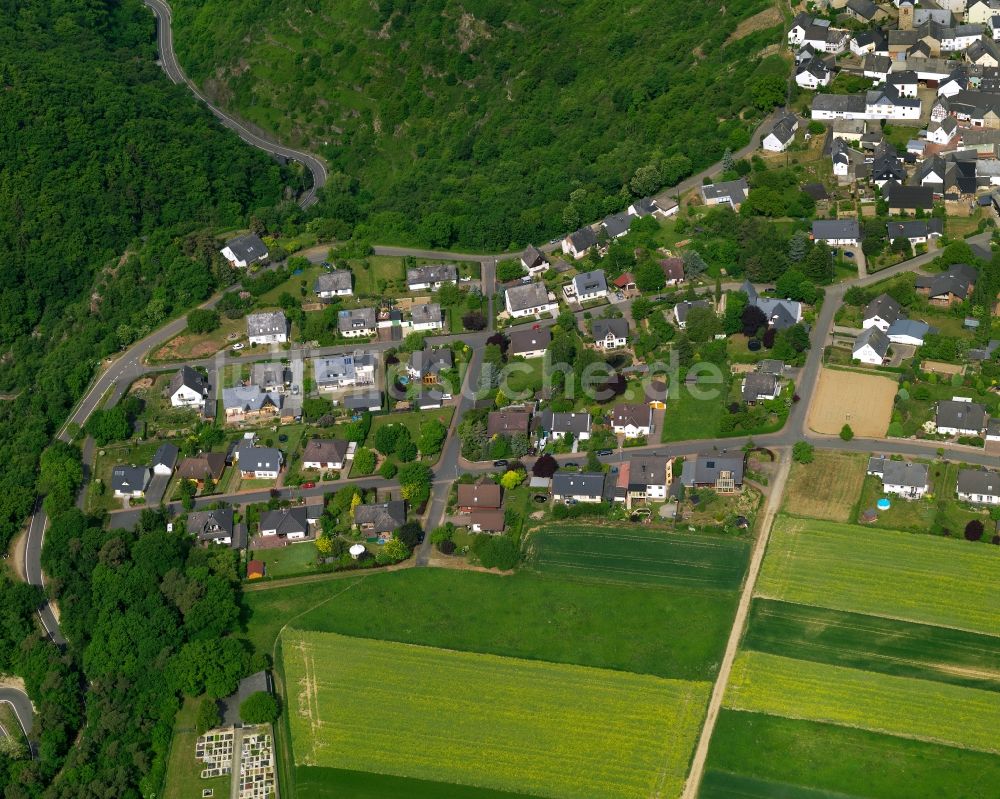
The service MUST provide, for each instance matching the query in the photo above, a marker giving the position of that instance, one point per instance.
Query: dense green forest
(111, 183)
(489, 123)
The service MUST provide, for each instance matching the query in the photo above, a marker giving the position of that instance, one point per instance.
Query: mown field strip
(929, 711)
(630, 555)
(515, 725)
(885, 573)
(726, 785)
(875, 643)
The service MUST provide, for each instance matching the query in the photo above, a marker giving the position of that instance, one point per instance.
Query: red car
(308, 485)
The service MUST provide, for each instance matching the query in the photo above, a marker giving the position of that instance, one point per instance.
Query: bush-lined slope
(477, 122)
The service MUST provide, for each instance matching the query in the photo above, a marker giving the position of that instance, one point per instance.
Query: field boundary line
(774, 500)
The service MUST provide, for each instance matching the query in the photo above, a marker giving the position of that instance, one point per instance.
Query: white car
(238, 347)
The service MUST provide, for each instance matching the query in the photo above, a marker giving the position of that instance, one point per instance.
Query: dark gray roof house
(979, 485)
(839, 104)
(267, 323)
(211, 525)
(370, 400)
(706, 470)
(957, 281)
(863, 9)
(129, 479)
(565, 422)
(908, 198)
(583, 239)
(431, 361)
(527, 295)
(383, 518)
(247, 248)
(961, 415)
(884, 307)
(914, 229)
(590, 283)
(618, 328)
(188, 378)
(165, 456)
(335, 282)
(899, 473)
(356, 319)
(645, 206)
(759, 384)
(523, 341)
(682, 309)
(532, 257)
(578, 484)
(285, 522)
(430, 274)
(835, 230)
(771, 366)
(426, 313)
(733, 192)
(617, 224)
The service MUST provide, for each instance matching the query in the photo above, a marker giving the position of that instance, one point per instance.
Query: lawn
(294, 559)
(885, 573)
(412, 421)
(689, 418)
(810, 491)
(755, 756)
(631, 555)
(902, 706)
(104, 463)
(523, 615)
(160, 417)
(370, 270)
(183, 780)
(497, 722)
(874, 643)
(523, 376)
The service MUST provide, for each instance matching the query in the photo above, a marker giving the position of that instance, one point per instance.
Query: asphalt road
(168, 60)
(19, 701)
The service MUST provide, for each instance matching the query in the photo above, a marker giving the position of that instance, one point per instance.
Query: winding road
(168, 60)
(21, 705)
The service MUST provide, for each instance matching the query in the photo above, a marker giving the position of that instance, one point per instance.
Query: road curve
(168, 60)
(19, 701)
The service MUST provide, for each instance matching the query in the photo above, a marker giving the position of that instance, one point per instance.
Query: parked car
(309, 485)
(500, 464)
(603, 452)
(572, 465)
(238, 347)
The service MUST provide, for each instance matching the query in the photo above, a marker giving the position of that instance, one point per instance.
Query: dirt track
(862, 401)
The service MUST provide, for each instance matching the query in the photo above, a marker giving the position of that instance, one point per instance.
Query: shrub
(846, 433)
(974, 530)
(203, 320)
(447, 547)
(259, 708)
(388, 470)
(803, 452)
(208, 715)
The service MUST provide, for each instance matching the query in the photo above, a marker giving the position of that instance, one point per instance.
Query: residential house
(578, 242)
(529, 299)
(960, 417)
(508, 423)
(617, 225)
(484, 494)
(215, 527)
(357, 323)
(721, 472)
(590, 286)
(902, 478)
(326, 453)
(729, 192)
(578, 486)
(916, 231)
(129, 481)
(781, 135)
(338, 283)
(877, 67)
(533, 260)
(980, 12)
(907, 199)
(529, 343)
(560, 424)
(290, 523)
(244, 250)
(249, 404)
(487, 521)
(363, 401)
(426, 316)
(432, 277)
(270, 376)
(881, 312)
(979, 486)
(886, 165)
(427, 364)
(625, 282)
(943, 133)
(863, 10)
(909, 331)
(817, 34)
(382, 520)
(644, 478)
(201, 468)
(871, 347)
(269, 327)
(904, 81)
(813, 73)
(837, 232)
(758, 386)
(840, 158)
(610, 334)
(780, 314)
(648, 206)
(771, 366)
(344, 371)
(673, 270)
(260, 463)
(164, 459)
(682, 309)
(428, 399)
(632, 420)
(838, 106)
(188, 389)
(868, 44)
(950, 288)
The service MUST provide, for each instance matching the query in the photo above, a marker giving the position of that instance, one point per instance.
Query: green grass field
(900, 575)
(689, 418)
(756, 756)
(297, 558)
(351, 701)
(909, 708)
(336, 783)
(183, 780)
(635, 556)
(874, 643)
(524, 615)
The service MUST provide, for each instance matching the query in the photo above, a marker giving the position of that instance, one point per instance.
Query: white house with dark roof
(290, 523)
(813, 73)
(244, 250)
(915, 231)
(344, 370)
(426, 316)
(647, 206)
(259, 463)
(357, 322)
(249, 403)
(943, 132)
(979, 486)
(781, 135)
(129, 481)
(758, 386)
(881, 312)
(559, 424)
(188, 388)
(578, 242)
(902, 478)
(529, 343)
(328, 453)
(617, 225)
(729, 192)
(780, 314)
(268, 327)
(529, 299)
(533, 260)
(837, 232)
(430, 277)
(610, 334)
(589, 286)
(644, 478)
(578, 486)
(871, 347)
(909, 331)
(960, 417)
(164, 459)
(632, 420)
(338, 283)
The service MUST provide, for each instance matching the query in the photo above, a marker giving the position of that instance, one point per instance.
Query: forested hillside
(485, 123)
(99, 156)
